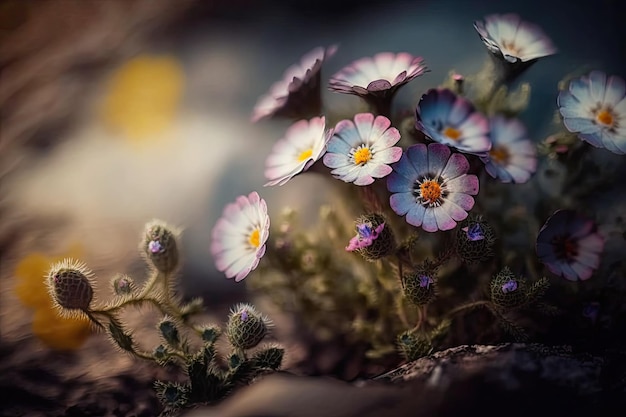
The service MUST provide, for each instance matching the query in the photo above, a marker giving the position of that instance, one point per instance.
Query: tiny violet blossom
(474, 232)
(304, 143)
(365, 236)
(425, 281)
(512, 157)
(361, 150)
(594, 107)
(239, 236)
(509, 286)
(569, 245)
(515, 40)
(452, 120)
(431, 187)
(155, 246)
(298, 93)
(380, 75)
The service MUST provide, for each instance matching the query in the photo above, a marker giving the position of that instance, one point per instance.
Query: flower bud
(507, 290)
(123, 284)
(374, 239)
(474, 240)
(420, 286)
(169, 332)
(413, 346)
(160, 246)
(270, 357)
(69, 285)
(246, 326)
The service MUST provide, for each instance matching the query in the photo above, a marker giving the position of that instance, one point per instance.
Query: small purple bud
(509, 286)
(244, 315)
(364, 230)
(155, 246)
(425, 281)
(474, 232)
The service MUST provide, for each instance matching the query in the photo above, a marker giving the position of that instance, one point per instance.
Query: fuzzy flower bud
(474, 240)
(70, 285)
(420, 287)
(169, 332)
(507, 290)
(123, 284)
(374, 239)
(246, 326)
(413, 346)
(160, 246)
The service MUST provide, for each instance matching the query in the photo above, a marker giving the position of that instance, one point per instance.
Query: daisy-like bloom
(298, 93)
(431, 187)
(378, 78)
(452, 120)
(362, 150)
(512, 157)
(594, 107)
(239, 236)
(570, 245)
(513, 39)
(304, 143)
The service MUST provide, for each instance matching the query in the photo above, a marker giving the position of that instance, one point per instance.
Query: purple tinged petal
(438, 155)
(457, 165)
(615, 90)
(417, 156)
(335, 160)
(415, 215)
(467, 184)
(429, 223)
(397, 183)
(462, 200)
(401, 203)
(444, 221)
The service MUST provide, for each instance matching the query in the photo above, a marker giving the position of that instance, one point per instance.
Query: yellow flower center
(255, 238)
(500, 155)
(361, 156)
(305, 155)
(430, 191)
(452, 133)
(605, 117)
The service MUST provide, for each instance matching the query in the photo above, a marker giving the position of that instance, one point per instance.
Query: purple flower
(474, 232)
(362, 150)
(513, 157)
(569, 245)
(509, 286)
(155, 246)
(431, 187)
(594, 106)
(244, 315)
(513, 39)
(452, 120)
(425, 281)
(380, 75)
(365, 236)
(297, 94)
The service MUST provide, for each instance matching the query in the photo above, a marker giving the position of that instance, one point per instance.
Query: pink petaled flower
(431, 187)
(297, 94)
(569, 245)
(365, 236)
(239, 236)
(381, 74)
(513, 39)
(304, 143)
(512, 157)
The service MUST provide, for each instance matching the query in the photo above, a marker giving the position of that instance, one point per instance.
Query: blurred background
(115, 112)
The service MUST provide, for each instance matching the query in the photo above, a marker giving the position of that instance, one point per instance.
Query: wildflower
(304, 143)
(474, 240)
(507, 290)
(431, 187)
(246, 326)
(419, 287)
(513, 39)
(374, 240)
(360, 151)
(297, 94)
(239, 236)
(452, 120)
(159, 245)
(378, 77)
(143, 96)
(512, 157)
(594, 107)
(473, 232)
(569, 245)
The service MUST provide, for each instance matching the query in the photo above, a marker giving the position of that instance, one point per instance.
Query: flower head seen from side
(515, 40)
(366, 235)
(361, 150)
(380, 75)
(569, 245)
(594, 107)
(239, 236)
(298, 93)
(431, 187)
(452, 120)
(512, 157)
(304, 143)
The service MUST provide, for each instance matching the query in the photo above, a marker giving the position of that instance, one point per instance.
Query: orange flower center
(605, 117)
(500, 155)
(452, 133)
(430, 191)
(362, 155)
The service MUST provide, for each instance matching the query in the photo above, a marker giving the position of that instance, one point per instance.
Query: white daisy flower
(362, 150)
(304, 143)
(239, 236)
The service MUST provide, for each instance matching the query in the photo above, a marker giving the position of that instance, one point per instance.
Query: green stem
(468, 306)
